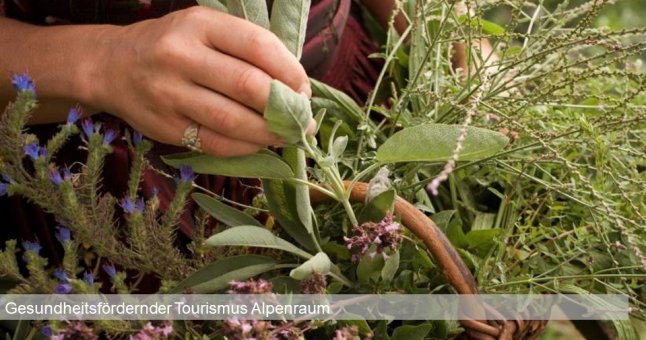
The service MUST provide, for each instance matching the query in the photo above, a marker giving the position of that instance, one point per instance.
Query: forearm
(61, 60)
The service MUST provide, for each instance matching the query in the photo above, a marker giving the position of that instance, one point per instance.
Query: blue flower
(64, 288)
(33, 151)
(73, 115)
(88, 277)
(139, 205)
(55, 177)
(186, 173)
(67, 174)
(110, 270)
(3, 188)
(109, 136)
(63, 235)
(130, 207)
(47, 331)
(22, 83)
(61, 275)
(88, 128)
(137, 138)
(32, 246)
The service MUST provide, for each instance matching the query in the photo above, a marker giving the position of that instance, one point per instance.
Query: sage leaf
(411, 332)
(224, 213)
(288, 113)
(250, 10)
(251, 236)
(319, 263)
(260, 165)
(348, 105)
(209, 277)
(289, 23)
(213, 4)
(378, 207)
(281, 199)
(296, 158)
(390, 267)
(436, 143)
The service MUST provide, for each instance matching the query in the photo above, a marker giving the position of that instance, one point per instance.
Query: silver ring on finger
(191, 139)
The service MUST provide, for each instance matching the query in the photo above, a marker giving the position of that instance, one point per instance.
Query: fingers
(226, 117)
(257, 46)
(232, 77)
(214, 143)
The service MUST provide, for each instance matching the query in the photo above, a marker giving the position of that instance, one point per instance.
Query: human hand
(196, 65)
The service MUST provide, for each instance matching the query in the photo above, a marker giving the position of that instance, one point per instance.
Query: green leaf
(251, 10)
(369, 268)
(288, 113)
(281, 199)
(211, 277)
(480, 238)
(224, 213)
(436, 143)
(250, 236)
(410, 332)
(390, 267)
(348, 105)
(296, 159)
(260, 165)
(289, 23)
(491, 27)
(213, 4)
(319, 263)
(443, 218)
(285, 285)
(377, 208)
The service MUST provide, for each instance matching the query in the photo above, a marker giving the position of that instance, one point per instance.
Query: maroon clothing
(335, 52)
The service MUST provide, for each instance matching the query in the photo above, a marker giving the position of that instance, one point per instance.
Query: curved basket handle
(453, 268)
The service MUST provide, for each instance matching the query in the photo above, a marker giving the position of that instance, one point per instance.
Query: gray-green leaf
(251, 10)
(288, 113)
(251, 236)
(217, 275)
(436, 143)
(281, 198)
(319, 263)
(296, 158)
(260, 165)
(289, 23)
(224, 213)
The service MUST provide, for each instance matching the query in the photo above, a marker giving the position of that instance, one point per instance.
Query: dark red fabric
(346, 67)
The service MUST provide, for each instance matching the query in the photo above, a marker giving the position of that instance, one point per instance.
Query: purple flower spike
(32, 246)
(64, 288)
(139, 205)
(110, 270)
(130, 207)
(186, 173)
(47, 331)
(137, 138)
(60, 274)
(22, 83)
(32, 150)
(88, 277)
(109, 136)
(67, 174)
(63, 235)
(3, 189)
(55, 177)
(73, 116)
(88, 128)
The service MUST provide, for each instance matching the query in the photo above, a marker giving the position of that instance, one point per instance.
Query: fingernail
(306, 90)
